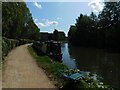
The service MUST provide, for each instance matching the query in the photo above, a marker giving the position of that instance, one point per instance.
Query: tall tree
(17, 21)
(110, 15)
(102, 31)
(55, 35)
(72, 34)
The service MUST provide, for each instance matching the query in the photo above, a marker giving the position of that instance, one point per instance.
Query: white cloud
(35, 20)
(96, 5)
(47, 23)
(40, 24)
(51, 23)
(37, 5)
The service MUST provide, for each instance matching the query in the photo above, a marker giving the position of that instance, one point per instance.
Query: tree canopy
(17, 22)
(58, 36)
(101, 31)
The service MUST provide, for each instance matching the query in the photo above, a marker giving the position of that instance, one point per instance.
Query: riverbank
(104, 65)
(52, 69)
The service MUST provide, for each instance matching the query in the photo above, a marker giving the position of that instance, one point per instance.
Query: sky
(59, 15)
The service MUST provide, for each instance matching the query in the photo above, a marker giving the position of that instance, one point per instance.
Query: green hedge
(24, 41)
(9, 44)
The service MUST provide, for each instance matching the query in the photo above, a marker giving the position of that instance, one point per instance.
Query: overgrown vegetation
(18, 27)
(9, 44)
(53, 68)
(17, 22)
(102, 31)
(58, 36)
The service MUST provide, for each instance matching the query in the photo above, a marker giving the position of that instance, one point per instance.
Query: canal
(104, 65)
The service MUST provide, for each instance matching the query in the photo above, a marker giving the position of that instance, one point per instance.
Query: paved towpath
(21, 71)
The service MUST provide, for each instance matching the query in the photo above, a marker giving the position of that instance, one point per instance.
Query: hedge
(24, 41)
(9, 44)
(37, 47)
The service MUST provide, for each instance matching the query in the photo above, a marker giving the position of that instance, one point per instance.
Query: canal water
(103, 64)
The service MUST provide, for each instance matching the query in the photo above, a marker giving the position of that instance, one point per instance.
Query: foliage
(83, 33)
(102, 31)
(72, 35)
(110, 24)
(24, 41)
(53, 68)
(9, 44)
(58, 36)
(17, 22)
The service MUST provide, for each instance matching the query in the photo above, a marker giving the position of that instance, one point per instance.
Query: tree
(110, 24)
(58, 36)
(101, 31)
(17, 21)
(82, 23)
(72, 35)
(109, 17)
(55, 35)
(93, 22)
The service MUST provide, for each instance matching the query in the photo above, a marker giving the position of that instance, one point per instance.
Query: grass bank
(52, 69)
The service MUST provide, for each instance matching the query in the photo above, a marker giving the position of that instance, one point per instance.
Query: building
(56, 35)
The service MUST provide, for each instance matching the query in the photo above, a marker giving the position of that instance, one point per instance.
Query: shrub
(9, 44)
(24, 41)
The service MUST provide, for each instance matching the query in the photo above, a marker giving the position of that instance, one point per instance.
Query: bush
(24, 41)
(9, 44)
(38, 48)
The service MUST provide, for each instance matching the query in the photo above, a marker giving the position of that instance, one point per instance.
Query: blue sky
(57, 15)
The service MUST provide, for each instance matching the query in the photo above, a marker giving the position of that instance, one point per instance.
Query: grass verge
(52, 69)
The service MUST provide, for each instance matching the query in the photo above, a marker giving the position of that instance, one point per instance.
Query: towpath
(21, 71)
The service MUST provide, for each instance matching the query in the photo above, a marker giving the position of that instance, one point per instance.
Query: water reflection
(66, 57)
(94, 60)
